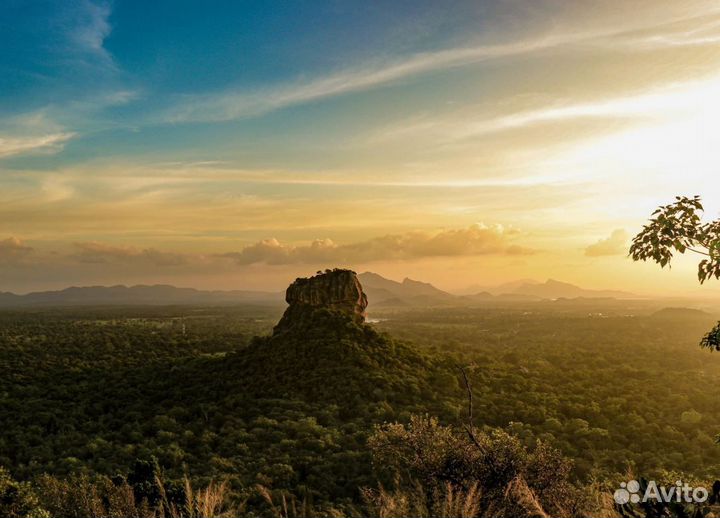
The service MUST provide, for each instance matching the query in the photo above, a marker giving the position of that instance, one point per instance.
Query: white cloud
(661, 103)
(230, 105)
(49, 143)
(32, 132)
(616, 244)
(90, 29)
(234, 105)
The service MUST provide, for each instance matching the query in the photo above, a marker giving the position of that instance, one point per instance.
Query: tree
(678, 227)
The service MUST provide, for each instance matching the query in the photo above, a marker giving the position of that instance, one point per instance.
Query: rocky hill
(334, 290)
(323, 352)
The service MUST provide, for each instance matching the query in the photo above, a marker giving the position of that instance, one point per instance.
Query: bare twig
(470, 427)
(469, 395)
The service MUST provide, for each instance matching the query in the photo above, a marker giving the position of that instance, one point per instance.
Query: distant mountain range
(156, 295)
(380, 291)
(552, 289)
(384, 292)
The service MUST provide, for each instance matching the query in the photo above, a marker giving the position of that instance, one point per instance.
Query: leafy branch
(678, 228)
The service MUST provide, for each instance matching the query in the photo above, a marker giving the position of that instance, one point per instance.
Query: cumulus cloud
(616, 244)
(13, 249)
(478, 239)
(94, 252)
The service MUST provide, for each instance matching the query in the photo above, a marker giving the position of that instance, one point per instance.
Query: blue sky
(123, 78)
(161, 141)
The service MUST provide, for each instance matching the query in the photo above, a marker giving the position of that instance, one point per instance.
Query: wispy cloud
(50, 143)
(233, 105)
(89, 28)
(32, 132)
(230, 105)
(663, 102)
(697, 30)
(95, 252)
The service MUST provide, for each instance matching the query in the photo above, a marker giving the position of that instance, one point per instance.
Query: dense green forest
(612, 390)
(190, 391)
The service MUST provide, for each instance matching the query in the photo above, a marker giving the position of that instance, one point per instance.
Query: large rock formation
(336, 290)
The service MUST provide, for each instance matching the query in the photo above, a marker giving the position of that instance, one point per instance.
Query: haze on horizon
(241, 145)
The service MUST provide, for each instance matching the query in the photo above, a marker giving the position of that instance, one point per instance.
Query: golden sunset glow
(565, 130)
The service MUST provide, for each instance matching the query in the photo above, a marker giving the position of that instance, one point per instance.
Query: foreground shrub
(443, 471)
(17, 499)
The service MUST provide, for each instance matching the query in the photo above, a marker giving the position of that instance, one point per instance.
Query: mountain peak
(409, 292)
(413, 282)
(555, 282)
(554, 289)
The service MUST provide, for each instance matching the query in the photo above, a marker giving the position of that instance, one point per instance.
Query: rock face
(336, 290)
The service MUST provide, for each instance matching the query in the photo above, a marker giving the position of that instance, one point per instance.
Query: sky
(238, 145)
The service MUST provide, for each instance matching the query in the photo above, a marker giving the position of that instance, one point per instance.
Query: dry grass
(288, 505)
(518, 493)
(447, 501)
(459, 503)
(81, 497)
(209, 502)
(390, 504)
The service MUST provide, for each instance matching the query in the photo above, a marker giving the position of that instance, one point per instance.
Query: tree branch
(469, 395)
(469, 428)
